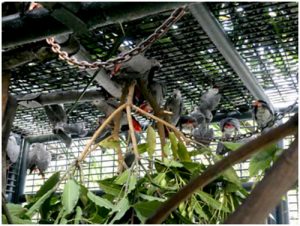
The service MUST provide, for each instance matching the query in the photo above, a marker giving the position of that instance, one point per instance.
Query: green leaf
(122, 178)
(192, 166)
(210, 201)
(167, 148)
(183, 153)
(4, 219)
(17, 220)
(100, 201)
(172, 163)
(110, 188)
(151, 198)
(159, 178)
(146, 209)
(49, 184)
(83, 195)
(110, 142)
(121, 208)
(132, 183)
(78, 215)
(258, 165)
(63, 221)
(15, 209)
(229, 174)
(199, 211)
(151, 140)
(38, 204)
(232, 146)
(199, 152)
(70, 195)
(142, 148)
(174, 144)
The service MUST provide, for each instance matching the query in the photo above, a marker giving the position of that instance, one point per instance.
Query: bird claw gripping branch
(141, 47)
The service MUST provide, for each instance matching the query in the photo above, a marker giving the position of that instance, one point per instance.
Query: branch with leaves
(212, 172)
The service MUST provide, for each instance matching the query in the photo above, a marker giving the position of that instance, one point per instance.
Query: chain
(278, 117)
(141, 47)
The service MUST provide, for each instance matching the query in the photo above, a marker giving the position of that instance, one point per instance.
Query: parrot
(75, 129)
(158, 91)
(138, 67)
(262, 114)
(208, 102)
(13, 149)
(58, 118)
(38, 158)
(174, 104)
(230, 128)
(202, 134)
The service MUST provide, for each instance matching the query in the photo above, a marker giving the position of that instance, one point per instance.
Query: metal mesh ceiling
(264, 33)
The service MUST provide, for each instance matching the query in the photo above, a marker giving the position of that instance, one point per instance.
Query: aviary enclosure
(149, 112)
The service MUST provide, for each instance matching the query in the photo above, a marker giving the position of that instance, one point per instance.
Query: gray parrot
(262, 114)
(208, 102)
(13, 149)
(158, 90)
(138, 67)
(76, 129)
(230, 128)
(174, 104)
(38, 158)
(202, 134)
(58, 119)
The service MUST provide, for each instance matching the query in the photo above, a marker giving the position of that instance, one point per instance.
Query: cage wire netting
(265, 34)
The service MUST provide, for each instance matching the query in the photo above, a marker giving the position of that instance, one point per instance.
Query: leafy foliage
(130, 198)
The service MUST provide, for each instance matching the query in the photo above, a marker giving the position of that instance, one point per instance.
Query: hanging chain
(278, 116)
(141, 47)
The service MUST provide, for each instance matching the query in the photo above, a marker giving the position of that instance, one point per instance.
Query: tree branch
(178, 134)
(157, 112)
(129, 119)
(86, 150)
(214, 171)
(266, 195)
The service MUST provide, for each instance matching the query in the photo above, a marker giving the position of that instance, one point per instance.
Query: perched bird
(75, 129)
(58, 118)
(262, 113)
(230, 128)
(208, 102)
(13, 149)
(38, 158)
(174, 104)
(158, 91)
(138, 67)
(202, 134)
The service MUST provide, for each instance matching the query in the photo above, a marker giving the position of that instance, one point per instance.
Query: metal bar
(218, 36)
(39, 100)
(7, 122)
(22, 171)
(31, 27)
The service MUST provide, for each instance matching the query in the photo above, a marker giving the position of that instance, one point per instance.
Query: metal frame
(218, 36)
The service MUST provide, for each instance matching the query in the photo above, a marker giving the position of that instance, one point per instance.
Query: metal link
(141, 47)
